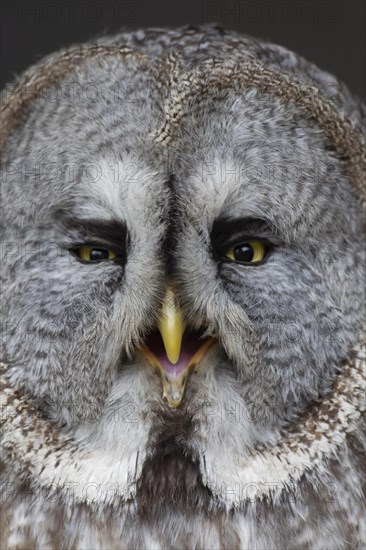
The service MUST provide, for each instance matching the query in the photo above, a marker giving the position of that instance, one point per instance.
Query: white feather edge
(47, 460)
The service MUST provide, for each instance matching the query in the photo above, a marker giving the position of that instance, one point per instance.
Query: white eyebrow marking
(115, 189)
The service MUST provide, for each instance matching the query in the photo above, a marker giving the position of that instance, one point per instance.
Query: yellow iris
(251, 252)
(94, 254)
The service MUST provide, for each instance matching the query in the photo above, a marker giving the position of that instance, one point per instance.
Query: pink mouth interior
(191, 342)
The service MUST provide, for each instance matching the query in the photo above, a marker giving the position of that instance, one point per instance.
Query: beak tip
(173, 357)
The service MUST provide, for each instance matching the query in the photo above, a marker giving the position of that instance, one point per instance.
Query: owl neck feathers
(42, 457)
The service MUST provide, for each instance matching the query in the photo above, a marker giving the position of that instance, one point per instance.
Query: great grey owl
(182, 298)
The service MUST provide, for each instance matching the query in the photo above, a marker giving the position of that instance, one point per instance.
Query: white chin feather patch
(40, 454)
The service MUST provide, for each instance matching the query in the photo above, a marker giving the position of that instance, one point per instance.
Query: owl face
(178, 303)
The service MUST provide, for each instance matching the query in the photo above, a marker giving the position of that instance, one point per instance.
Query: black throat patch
(170, 475)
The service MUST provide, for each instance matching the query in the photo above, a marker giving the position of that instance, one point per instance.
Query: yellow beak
(171, 326)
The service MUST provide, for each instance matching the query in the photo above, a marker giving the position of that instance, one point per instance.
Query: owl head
(183, 241)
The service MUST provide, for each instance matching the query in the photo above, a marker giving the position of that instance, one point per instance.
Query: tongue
(174, 371)
(190, 344)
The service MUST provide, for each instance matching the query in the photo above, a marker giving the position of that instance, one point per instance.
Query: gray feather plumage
(110, 141)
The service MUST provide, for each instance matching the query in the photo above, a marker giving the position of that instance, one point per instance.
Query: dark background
(330, 33)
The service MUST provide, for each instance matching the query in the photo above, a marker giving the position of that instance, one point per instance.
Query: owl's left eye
(94, 254)
(251, 252)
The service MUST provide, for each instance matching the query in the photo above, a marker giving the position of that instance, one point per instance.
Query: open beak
(174, 350)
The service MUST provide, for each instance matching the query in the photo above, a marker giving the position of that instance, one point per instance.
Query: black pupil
(97, 254)
(243, 253)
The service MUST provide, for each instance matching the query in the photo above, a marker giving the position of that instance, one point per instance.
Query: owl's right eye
(252, 252)
(94, 254)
